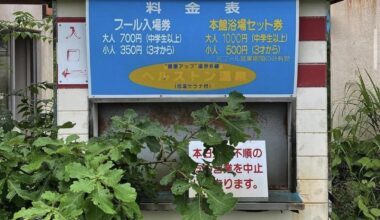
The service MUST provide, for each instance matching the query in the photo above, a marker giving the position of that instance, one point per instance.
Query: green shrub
(42, 177)
(355, 155)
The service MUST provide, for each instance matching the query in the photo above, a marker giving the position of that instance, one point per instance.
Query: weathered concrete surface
(44, 49)
(354, 46)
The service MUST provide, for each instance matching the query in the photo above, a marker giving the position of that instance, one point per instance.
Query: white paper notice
(249, 165)
(71, 52)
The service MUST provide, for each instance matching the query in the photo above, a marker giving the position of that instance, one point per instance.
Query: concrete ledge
(72, 100)
(80, 118)
(313, 8)
(313, 212)
(312, 98)
(313, 191)
(312, 52)
(311, 121)
(312, 168)
(312, 144)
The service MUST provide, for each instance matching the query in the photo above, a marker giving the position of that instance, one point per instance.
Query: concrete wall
(7, 10)
(354, 46)
(72, 109)
(312, 165)
(312, 160)
(46, 63)
(44, 49)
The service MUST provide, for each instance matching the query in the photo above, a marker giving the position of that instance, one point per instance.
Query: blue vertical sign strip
(180, 47)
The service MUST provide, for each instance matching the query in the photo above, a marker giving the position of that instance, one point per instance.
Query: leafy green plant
(37, 114)
(16, 141)
(355, 152)
(24, 26)
(42, 177)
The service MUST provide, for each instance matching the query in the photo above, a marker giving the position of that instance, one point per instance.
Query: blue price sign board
(183, 48)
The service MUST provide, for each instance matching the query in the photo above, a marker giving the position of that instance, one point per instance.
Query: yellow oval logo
(192, 76)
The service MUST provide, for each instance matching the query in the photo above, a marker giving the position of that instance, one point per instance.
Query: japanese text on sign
(71, 53)
(249, 166)
(132, 37)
